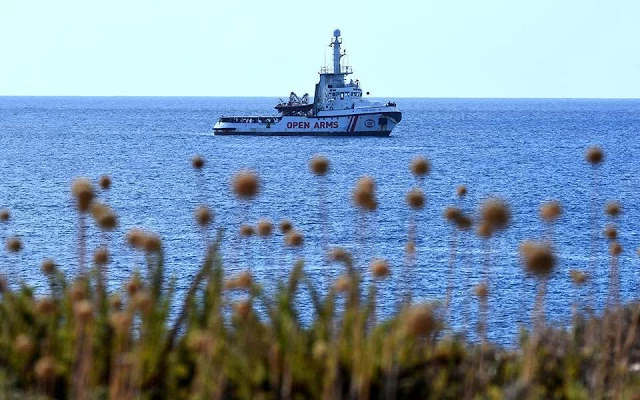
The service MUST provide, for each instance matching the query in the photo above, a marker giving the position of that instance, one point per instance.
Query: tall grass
(82, 342)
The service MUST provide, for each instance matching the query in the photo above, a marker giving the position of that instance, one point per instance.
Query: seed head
(380, 268)
(264, 228)
(578, 277)
(495, 212)
(45, 306)
(339, 254)
(343, 283)
(104, 216)
(364, 194)
(246, 230)
(420, 166)
(464, 223)
(45, 368)
(461, 191)
(14, 244)
(4, 215)
(101, 256)
(133, 285)
(319, 165)
(613, 209)
(83, 311)
(482, 290)
(484, 230)
(48, 266)
(537, 257)
(115, 302)
(294, 238)
(78, 291)
(452, 214)
(105, 182)
(242, 281)
(136, 238)
(615, 249)
(285, 226)
(242, 309)
(246, 184)
(415, 199)
(120, 321)
(203, 215)
(420, 321)
(152, 243)
(610, 232)
(142, 301)
(197, 162)
(550, 211)
(594, 155)
(24, 344)
(83, 192)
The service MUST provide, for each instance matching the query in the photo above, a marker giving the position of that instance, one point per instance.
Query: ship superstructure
(338, 109)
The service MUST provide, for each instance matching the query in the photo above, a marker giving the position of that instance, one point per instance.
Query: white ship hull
(372, 121)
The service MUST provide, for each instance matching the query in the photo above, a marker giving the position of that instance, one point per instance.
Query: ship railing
(251, 119)
(345, 69)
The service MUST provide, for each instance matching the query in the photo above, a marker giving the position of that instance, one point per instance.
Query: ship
(338, 109)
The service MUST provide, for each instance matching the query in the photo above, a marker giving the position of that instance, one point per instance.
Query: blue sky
(398, 48)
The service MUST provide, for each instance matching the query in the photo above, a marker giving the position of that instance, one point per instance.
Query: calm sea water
(524, 151)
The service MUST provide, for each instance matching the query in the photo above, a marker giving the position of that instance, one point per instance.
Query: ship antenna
(336, 51)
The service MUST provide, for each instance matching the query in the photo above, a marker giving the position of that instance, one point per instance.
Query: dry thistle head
(120, 321)
(464, 223)
(246, 230)
(136, 238)
(339, 254)
(83, 311)
(613, 209)
(550, 211)
(48, 266)
(294, 238)
(45, 306)
(452, 214)
(115, 302)
(153, 244)
(45, 368)
(285, 226)
(104, 216)
(24, 344)
(537, 257)
(101, 256)
(615, 249)
(415, 199)
(105, 182)
(83, 192)
(610, 232)
(264, 228)
(197, 162)
(578, 277)
(142, 301)
(420, 321)
(364, 194)
(133, 285)
(319, 165)
(4, 215)
(14, 244)
(380, 268)
(594, 155)
(203, 216)
(484, 230)
(420, 166)
(461, 191)
(78, 291)
(343, 283)
(242, 281)
(495, 212)
(481, 290)
(246, 184)
(242, 309)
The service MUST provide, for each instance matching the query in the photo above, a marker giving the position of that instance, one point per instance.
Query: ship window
(341, 95)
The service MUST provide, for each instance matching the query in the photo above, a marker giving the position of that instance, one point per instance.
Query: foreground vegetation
(82, 342)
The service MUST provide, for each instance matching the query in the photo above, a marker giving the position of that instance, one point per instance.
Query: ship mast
(336, 51)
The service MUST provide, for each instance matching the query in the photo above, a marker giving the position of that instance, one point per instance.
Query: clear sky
(398, 48)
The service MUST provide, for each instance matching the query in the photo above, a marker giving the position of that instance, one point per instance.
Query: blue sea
(524, 151)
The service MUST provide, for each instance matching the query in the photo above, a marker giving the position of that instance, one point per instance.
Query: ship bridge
(333, 92)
